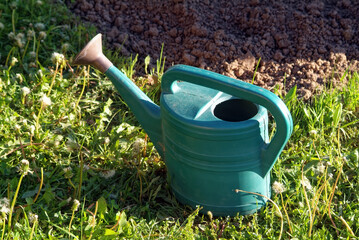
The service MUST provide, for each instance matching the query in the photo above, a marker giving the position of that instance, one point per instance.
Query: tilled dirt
(303, 43)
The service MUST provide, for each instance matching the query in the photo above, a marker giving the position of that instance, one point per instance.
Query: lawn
(76, 164)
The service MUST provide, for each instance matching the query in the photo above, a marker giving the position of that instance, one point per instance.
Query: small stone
(346, 3)
(278, 56)
(283, 43)
(142, 43)
(188, 58)
(178, 40)
(254, 2)
(137, 28)
(113, 33)
(322, 50)
(124, 51)
(348, 34)
(173, 32)
(239, 72)
(153, 31)
(197, 52)
(118, 21)
(248, 61)
(221, 54)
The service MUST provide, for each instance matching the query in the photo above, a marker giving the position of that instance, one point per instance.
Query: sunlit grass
(86, 145)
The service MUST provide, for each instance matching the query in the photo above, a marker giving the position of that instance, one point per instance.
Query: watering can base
(222, 211)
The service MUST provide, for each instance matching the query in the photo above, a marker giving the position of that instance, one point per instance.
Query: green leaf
(48, 195)
(109, 232)
(307, 114)
(147, 62)
(122, 223)
(64, 202)
(29, 194)
(337, 114)
(106, 109)
(102, 206)
(125, 129)
(291, 95)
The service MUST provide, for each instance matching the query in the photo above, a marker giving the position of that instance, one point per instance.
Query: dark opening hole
(235, 110)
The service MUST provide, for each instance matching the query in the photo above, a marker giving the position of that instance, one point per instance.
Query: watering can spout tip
(92, 55)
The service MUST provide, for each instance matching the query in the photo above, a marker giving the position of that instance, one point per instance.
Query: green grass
(88, 146)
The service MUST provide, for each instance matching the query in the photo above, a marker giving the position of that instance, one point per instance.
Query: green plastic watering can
(211, 131)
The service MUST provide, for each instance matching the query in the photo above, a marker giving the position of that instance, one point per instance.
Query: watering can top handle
(241, 90)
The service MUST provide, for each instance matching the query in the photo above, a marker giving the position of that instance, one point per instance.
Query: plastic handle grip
(243, 90)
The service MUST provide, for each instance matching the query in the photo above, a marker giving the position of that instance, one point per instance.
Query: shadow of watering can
(211, 130)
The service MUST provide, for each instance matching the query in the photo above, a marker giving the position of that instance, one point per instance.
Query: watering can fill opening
(235, 110)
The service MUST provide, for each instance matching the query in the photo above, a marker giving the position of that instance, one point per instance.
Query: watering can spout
(92, 55)
(145, 110)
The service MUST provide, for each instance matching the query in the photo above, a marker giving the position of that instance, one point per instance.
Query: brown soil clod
(303, 43)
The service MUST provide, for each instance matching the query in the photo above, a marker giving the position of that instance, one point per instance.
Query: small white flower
(20, 36)
(75, 205)
(68, 172)
(13, 61)
(32, 65)
(19, 76)
(65, 47)
(1, 26)
(17, 127)
(32, 54)
(39, 26)
(305, 182)
(13, 5)
(58, 58)
(278, 187)
(4, 205)
(11, 36)
(19, 42)
(138, 145)
(24, 167)
(108, 174)
(313, 132)
(107, 140)
(32, 129)
(39, 2)
(42, 35)
(320, 169)
(40, 73)
(25, 162)
(30, 34)
(33, 217)
(46, 101)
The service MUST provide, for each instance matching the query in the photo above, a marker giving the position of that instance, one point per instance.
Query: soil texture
(304, 43)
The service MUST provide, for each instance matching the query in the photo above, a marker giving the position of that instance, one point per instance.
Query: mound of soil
(303, 43)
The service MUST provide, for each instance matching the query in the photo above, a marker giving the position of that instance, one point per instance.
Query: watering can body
(212, 132)
(208, 158)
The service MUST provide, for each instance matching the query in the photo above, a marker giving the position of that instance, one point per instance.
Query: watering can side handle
(241, 90)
